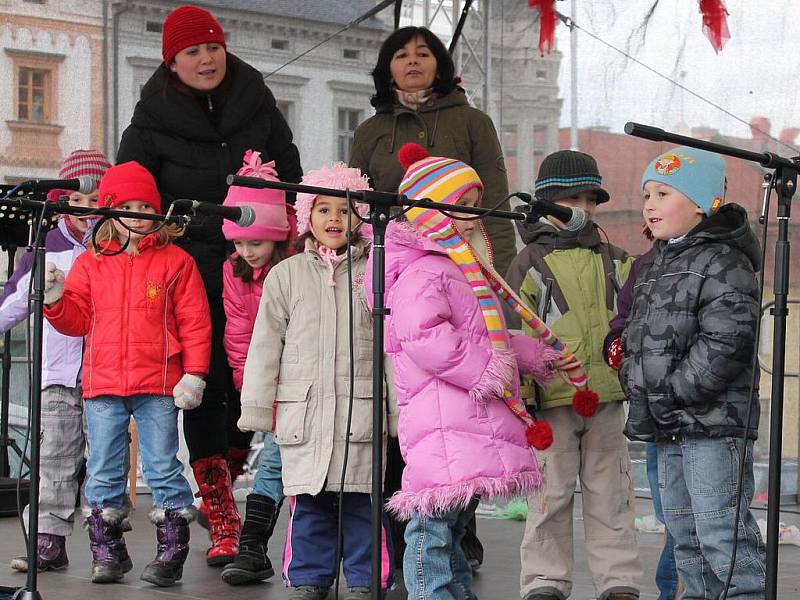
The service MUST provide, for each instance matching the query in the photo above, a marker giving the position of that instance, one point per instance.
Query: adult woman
(417, 99)
(198, 114)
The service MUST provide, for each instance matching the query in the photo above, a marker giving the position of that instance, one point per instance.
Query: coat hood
(165, 107)
(544, 232)
(729, 225)
(455, 98)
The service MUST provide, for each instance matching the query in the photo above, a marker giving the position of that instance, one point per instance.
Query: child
(298, 369)
(462, 432)
(140, 302)
(570, 280)
(62, 441)
(688, 364)
(259, 247)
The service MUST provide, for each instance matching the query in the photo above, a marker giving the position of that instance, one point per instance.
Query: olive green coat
(446, 126)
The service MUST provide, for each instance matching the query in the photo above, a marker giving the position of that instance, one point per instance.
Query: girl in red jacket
(258, 248)
(140, 302)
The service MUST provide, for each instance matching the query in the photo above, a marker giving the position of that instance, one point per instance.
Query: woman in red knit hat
(197, 115)
(139, 302)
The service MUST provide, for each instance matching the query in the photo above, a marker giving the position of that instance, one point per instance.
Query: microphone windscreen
(87, 184)
(248, 216)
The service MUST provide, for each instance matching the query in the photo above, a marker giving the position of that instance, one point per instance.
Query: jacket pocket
(173, 346)
(361, 424)
(291, 405)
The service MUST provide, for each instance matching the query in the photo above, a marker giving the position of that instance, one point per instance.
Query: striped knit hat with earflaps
(446, 180)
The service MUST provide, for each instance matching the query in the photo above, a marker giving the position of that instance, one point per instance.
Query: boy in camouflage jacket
(687, 367)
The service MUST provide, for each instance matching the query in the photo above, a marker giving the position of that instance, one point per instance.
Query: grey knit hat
(565, 174)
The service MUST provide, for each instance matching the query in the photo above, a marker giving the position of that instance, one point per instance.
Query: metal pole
(573, 81)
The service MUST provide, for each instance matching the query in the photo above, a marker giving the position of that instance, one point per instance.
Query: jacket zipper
(127, 323)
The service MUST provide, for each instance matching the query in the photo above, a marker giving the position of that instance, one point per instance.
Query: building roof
(339, 12)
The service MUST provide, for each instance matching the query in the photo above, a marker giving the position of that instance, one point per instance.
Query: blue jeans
(698, 478)
(434, 565)
(107, 419)
(268, 480)
(666, 572)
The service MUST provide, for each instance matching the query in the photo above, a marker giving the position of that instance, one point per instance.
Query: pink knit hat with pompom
(269, 205)
(337, 176)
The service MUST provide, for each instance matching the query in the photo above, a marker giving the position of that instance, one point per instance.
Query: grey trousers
(63, 442)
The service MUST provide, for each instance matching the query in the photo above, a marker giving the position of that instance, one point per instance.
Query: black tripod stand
(785, 181)
(380, 204)
(40, 214)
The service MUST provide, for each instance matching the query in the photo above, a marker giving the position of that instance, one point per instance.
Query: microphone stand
(380, 204)
(785, 179)
(41, 212)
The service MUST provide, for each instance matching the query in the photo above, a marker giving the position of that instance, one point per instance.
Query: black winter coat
(192, 141)
(691, 334)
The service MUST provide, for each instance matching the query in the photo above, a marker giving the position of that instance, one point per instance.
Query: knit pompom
(585, 402)
(411, 153)
(539, 434)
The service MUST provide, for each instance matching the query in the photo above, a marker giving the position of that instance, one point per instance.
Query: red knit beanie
(189, 26)
(126, 182)
(91, 163)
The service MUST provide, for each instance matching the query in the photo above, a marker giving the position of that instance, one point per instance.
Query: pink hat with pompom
(337, 176)
(269, 205)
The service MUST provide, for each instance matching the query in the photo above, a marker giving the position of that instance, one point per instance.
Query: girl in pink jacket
(259, 247)
(462, 430)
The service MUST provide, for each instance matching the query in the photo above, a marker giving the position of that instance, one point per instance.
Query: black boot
(252, 563)
(110, 559)
(172, 533)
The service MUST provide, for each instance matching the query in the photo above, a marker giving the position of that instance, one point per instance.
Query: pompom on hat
(189, 26)
(271, 222)
(127, 182)
(337, 176)
(697, 174)
(78, 163)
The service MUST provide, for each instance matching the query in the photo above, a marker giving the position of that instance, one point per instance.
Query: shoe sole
(161, 581)
(21, 566)
(107, 576)
(233, 575)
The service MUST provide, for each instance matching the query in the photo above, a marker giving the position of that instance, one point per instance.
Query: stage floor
(497, 579)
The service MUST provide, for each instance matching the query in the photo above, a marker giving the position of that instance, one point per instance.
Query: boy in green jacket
(571, 279)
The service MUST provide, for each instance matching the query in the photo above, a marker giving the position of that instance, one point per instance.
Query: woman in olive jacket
(417, 99)
(197, 115)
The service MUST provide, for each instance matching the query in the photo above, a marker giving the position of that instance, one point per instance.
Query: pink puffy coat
(458, 438)
(240, 300)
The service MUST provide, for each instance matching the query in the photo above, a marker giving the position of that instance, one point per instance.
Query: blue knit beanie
(697, 174)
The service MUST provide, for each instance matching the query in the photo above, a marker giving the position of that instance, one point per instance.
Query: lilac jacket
(62, 355)
(457, 436)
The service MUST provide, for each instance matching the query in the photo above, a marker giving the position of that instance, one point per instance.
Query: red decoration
(539, 434)
(585, 402)
(715, 22)
(615, 354)
(547, 23)
(411, 153)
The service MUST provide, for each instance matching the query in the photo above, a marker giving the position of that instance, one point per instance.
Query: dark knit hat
(127, 182)
(189, 26)
(565, 174)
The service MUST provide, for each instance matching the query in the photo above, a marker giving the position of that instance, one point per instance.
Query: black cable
(753, 382)
(351, 374)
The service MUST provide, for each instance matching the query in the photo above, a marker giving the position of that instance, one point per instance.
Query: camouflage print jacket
(690, 337)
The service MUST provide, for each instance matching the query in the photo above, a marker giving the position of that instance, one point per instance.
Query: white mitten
(53, 283)
(188, 392)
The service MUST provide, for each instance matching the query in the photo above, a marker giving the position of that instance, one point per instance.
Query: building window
(33, 95)
(351, 54)
(287, 110)
(34, 1)
(277, 44)
(348, 120)
(509, 141)
(153, 26)
(541, 74)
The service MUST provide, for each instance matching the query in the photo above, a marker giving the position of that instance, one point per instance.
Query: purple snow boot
(110, 560)
(52, 554)
(172, 533)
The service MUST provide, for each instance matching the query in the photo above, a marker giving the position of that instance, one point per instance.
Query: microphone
(82, 184)
(574, 218)
(242, 215)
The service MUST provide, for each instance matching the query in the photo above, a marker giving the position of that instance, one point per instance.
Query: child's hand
(566, 363)
(614, 354)
(53, 283)
(188, 392)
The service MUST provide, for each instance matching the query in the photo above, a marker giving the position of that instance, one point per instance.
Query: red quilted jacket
(145, 318)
